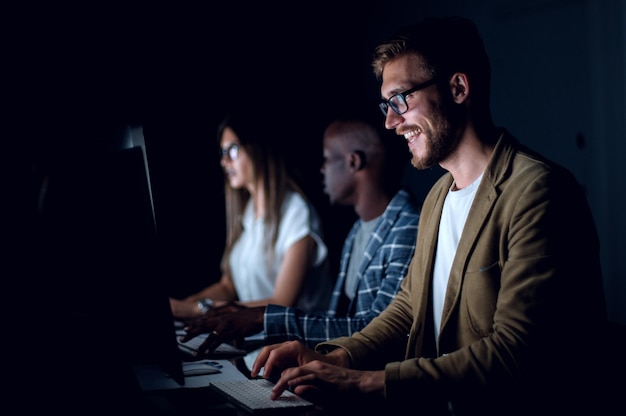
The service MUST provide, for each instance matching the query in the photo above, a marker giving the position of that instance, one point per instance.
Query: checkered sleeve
(387, 256)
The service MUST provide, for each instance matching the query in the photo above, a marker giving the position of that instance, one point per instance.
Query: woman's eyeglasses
(232, 152)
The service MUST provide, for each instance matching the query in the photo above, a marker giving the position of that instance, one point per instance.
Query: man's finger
(210, 343)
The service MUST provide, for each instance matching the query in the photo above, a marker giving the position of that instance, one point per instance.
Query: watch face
(205, 304)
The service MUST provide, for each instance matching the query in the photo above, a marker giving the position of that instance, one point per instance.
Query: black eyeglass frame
(231, 151)
(401, 96)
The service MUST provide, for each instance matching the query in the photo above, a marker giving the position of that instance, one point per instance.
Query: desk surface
(160, 394)
(113, 389)
(153, 378)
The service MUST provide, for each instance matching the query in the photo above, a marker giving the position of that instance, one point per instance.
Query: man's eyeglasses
(398, 102)
(231, 151)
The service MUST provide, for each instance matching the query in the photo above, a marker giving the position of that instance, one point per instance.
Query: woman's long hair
(269, 170)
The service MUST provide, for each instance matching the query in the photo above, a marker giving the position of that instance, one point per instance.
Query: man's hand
(313, 375)
(276, 357)
(326, 383)
(225, 323)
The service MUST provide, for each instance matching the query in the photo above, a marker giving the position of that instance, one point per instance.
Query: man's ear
(358, 159)
(459, 85)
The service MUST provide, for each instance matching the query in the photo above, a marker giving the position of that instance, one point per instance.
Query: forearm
(286, 324)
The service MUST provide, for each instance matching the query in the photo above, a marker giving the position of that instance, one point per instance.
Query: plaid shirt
(383, 266)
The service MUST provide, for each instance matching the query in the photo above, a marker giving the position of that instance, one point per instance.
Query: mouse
(198, 369)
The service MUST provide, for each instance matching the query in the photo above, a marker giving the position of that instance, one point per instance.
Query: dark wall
(177, 72)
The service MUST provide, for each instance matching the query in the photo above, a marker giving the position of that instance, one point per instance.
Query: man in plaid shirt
(375, 258)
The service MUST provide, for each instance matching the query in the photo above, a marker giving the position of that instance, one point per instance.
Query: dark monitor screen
(104, 249)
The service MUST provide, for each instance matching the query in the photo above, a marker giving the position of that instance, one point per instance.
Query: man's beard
(441, 140)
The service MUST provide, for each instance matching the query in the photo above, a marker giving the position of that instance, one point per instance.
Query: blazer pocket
(480, 294)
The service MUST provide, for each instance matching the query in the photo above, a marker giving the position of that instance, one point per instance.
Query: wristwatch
(204, 305)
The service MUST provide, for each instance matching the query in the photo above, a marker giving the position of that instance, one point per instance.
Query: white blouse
(255, 279)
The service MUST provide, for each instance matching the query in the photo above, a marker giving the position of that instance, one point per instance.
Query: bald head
(355, 166)
(354, 136)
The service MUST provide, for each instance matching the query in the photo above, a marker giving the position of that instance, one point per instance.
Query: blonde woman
(274, 252)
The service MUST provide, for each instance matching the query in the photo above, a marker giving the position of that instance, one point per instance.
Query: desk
(151, 377)
(160, 394)
(106, 386)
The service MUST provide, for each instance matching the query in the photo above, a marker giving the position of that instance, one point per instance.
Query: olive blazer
(523, 306)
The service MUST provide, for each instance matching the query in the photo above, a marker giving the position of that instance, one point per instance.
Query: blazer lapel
(485, 199)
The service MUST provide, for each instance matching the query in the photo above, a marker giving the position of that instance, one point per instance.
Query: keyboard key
(254, 395)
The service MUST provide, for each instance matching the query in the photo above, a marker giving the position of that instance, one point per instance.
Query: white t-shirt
(254, 278)
(453, 216)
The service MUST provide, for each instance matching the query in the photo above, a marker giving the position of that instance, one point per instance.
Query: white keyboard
(253, 395)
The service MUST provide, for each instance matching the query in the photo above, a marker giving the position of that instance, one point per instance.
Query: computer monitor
(106, 252)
